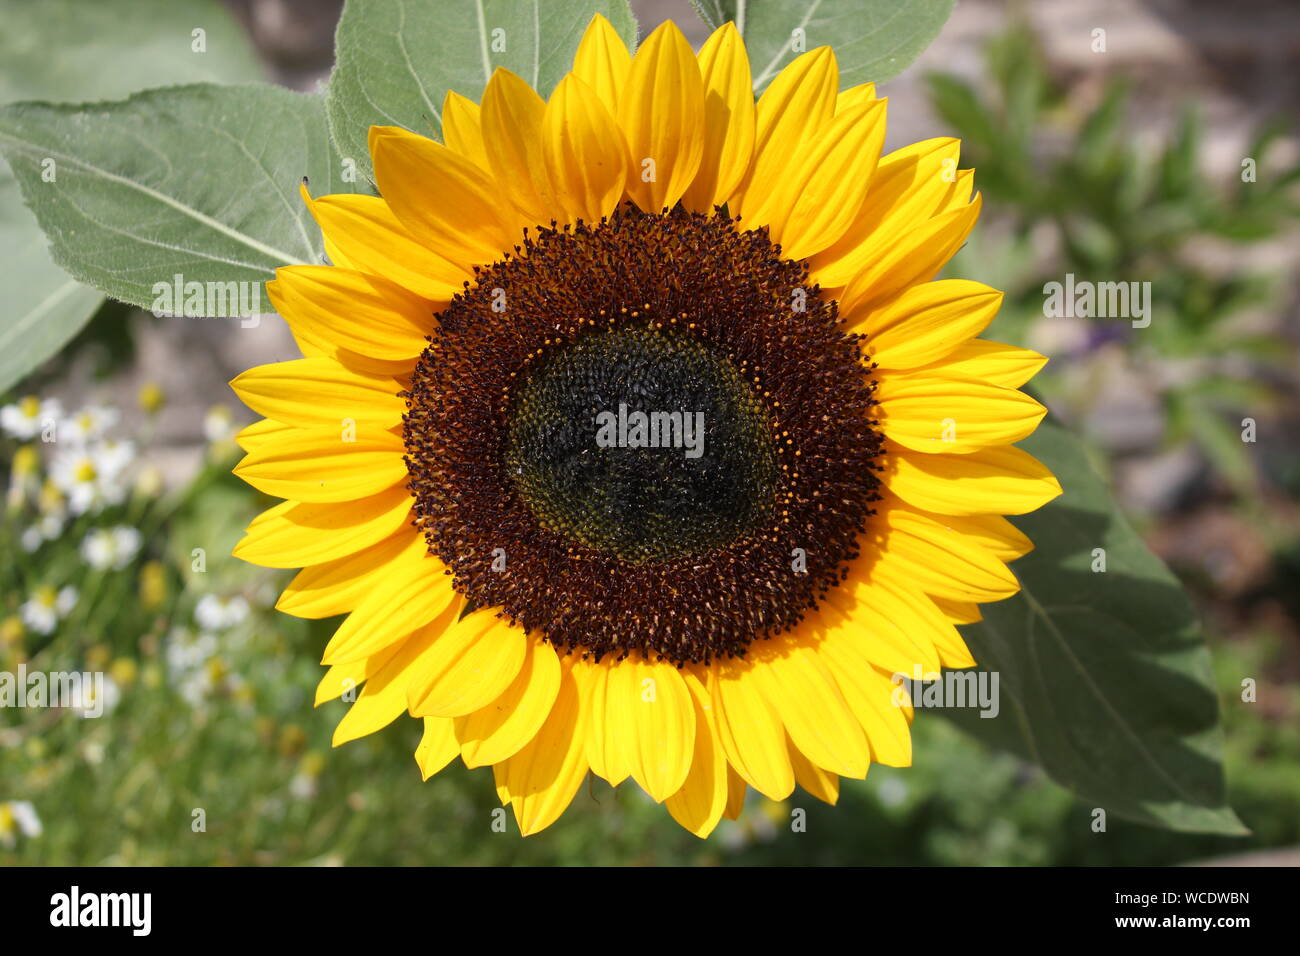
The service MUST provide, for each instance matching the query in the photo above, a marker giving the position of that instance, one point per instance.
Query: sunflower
(810, 452)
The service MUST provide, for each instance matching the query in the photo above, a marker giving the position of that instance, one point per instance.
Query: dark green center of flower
(642, 443)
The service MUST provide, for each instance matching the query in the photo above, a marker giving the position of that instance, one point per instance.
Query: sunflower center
(643, 444)
(646, 434)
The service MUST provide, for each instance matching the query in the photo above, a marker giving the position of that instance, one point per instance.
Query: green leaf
(72, 50)
(1104, 677)
(395, 60)
(200, 181)
(44, 306)
(874, 40)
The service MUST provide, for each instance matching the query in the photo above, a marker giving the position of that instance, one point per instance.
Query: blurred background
(1119, 165)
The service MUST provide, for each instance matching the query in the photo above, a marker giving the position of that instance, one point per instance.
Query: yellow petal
(940, 561)
(702, 799)
(959, 612)
(822, 784)
(362, 313)
(661, 111)
(543, 777)
(447, 202)
(728, 120)
(803, 693)
(511, 116)
(413, 591)
(662, 716)
(497, 731)
(793, 108)
(926, 322)
(846, 100)
(437, 747)
(469, 666)
(991, 362)
(336, 587)
(603, 62)
(953, 651)
(910, 185)
(321, 393)
(894, 627)
(263, 432)
(584, 153)
(948, 414)
(341, 678)
(320, 464)
(737, 790)
(825, 183)
(383, 697)
(960, 192)
(875, 702)
(313, 344)
(1002, 480)
(994, 533)
(365, 231)
(609, 722)
(750, 730)
(915, 256)
(294, 534)
(462, 129)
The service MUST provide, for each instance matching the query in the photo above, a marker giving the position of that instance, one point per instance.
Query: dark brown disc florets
(546, 495)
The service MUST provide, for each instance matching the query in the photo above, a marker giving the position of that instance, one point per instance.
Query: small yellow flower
(124, 671)
(97, 656)
(292, 739)
(312, 763)
(153, 585)
(51, 501)
(11, 630)
(152, 398)
(27, 462)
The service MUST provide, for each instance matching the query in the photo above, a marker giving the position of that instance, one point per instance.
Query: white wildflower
(214, 613)
(44, 609)
(105, 548)
(28, 417)
(89, 424)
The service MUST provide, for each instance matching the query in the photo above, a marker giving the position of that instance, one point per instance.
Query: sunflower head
(633, 437)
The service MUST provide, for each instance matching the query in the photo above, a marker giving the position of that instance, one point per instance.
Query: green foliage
(63, 54)
(874, 40)
(134, 202)
(1103, 670)
(1116, 211)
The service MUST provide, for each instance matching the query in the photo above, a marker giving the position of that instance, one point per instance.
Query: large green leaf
(395, 60)
(200, 181)
(1104, 676)
(44, 306)
(73, 50)
(873, 40)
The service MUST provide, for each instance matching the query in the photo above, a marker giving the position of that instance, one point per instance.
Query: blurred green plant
(1108, 208)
